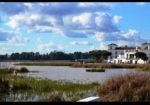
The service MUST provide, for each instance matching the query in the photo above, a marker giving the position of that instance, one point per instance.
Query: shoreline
(144, 67)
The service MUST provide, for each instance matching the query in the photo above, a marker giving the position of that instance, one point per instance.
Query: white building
(125, 54)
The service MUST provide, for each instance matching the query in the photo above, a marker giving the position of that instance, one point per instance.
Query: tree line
(97, 55)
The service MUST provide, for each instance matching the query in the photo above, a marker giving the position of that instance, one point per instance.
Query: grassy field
(144, 67)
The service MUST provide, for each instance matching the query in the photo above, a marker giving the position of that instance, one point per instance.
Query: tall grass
(4, 85)
(126, 88)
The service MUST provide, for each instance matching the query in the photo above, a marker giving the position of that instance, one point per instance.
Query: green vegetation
(95, 70)
(126, 88)
(46, 90)
(99, 55)
(4, 85)
(54, 55)
(141, 55)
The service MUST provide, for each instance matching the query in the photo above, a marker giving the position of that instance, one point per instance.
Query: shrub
(23, 70)
(95, 70)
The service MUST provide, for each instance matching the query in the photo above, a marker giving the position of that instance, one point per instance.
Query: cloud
(18, 40)
(50, 46)
(114, 36)
(61, 9)
(78, 26)
(117, 19)
(12, 38)
(131, 37)
(131, 33)
(12, 8)
(141, 3)
(82, 43)
(4, 50)
(84, 18)
(6, 35)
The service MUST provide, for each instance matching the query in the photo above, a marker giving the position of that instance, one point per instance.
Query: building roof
(112, 44)
(125, 48)
(145, 43)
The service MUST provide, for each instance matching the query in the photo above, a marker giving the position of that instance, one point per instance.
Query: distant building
(126, 54)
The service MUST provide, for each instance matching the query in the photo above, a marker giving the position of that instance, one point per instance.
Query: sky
(72, 26)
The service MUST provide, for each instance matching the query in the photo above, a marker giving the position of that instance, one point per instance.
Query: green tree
(100, 55)
(141, 55)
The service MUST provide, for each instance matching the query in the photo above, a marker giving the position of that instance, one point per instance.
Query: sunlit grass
(133, 87)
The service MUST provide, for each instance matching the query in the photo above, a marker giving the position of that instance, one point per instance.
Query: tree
(141, 55)
(100, 55)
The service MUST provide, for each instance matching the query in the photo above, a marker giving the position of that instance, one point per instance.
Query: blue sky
(69, 27)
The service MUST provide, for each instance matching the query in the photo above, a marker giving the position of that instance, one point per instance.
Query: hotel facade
(126, 55)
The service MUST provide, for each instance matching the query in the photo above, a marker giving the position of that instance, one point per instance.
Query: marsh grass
(4, 85)
(126, 88)
(50, 90)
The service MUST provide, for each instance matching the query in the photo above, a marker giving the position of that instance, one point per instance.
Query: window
(131, 56)
(122, 53)
(116, 52)
(127, 56)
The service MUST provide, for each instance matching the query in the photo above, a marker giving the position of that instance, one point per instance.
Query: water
(73, 74)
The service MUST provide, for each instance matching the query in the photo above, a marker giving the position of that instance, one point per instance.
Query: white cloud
(117, 19)
(50, 46)
(18, 40)
(81, 43)
(141, 3)
(131, 33)
(102, 46)
(12, 38)
(4, 50)
(100, 36)
(84, 18)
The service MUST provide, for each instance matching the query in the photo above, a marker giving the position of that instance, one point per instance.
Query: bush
(95, 70)
(23, 70)
(126, 88)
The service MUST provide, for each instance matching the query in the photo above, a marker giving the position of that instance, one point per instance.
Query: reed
(126, 88)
